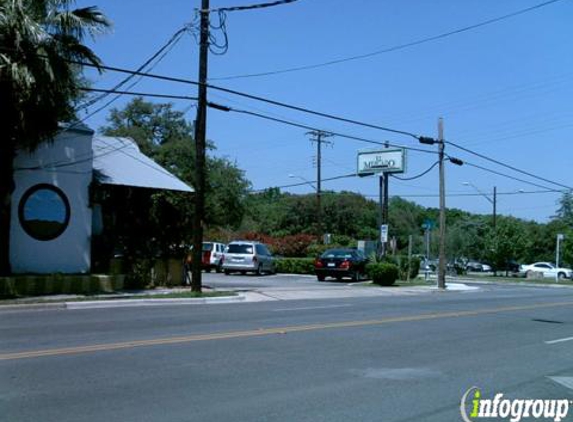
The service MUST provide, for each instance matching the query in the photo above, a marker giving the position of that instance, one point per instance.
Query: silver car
(244, 255)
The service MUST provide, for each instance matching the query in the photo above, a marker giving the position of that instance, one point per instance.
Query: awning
(118, 161)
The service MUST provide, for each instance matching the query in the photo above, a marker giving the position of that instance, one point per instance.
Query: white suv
(244, 255)
(212, 256)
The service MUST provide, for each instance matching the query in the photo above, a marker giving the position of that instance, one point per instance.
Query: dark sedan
(339, 263)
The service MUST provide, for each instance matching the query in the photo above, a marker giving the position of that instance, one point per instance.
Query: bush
(383, 274)
(402, 261)
(295, 265)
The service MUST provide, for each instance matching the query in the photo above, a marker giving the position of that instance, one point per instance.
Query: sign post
(383, 162)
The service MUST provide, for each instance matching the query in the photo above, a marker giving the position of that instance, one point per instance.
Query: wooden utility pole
(494, 206)
(200, 135)
(318, 137)
(442, 254)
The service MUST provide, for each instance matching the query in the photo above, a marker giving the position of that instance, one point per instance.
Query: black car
(339, 263)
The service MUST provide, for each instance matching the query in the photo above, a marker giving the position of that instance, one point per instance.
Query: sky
(503, 90)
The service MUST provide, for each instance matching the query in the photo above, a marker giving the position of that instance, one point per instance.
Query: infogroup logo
(474, 407)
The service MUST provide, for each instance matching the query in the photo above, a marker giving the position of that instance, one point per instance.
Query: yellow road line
(269, 331)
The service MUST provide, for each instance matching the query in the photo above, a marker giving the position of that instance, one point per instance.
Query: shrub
(402, 261)
(383, 274)
(295, 265)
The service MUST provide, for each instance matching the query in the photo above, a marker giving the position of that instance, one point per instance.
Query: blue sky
(504, 90)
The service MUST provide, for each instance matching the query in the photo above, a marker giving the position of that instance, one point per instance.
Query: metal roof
(118, 161)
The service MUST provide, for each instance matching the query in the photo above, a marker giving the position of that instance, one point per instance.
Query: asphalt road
(393, 358)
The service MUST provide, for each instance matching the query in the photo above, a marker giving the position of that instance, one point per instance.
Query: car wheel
(529, 274)
(260, 270)
(207, 270)
(227, 272)
(219, 268)
(320, 277)
(356, 276)
(561, 276)
(243, 272)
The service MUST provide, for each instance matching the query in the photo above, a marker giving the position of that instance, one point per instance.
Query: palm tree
(41, 42)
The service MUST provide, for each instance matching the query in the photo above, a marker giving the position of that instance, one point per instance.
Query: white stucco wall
(70, 252)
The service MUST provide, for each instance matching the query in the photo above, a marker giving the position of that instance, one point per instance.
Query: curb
(124, 303)
(33, 306)
(517, 283)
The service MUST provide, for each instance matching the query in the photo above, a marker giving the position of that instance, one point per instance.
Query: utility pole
(383, 214)
(409, 257)
(318, 137)
(494, 206)
(200, 135)
(442, 254)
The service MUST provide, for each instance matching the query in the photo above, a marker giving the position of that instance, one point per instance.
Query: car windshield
(240, 248)
(337, 253)
(207, 247)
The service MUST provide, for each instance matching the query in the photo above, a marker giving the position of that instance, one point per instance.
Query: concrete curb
(123, 303)
(32, 306)
(516, 283)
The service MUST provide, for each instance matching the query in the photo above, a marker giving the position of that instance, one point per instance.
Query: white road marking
(311, 307)
(560, 340)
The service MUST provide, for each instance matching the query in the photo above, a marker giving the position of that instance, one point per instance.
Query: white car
(547, 269)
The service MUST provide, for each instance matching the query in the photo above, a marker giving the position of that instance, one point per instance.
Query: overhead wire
(305, 110)
(505, 175)
(417, 176)
(493, 160)
(172, 41)
(252, 6)
(393, 48)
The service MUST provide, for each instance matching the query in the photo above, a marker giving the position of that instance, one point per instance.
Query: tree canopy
(39, 40)
(164, 218)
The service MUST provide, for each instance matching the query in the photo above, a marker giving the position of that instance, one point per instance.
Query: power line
(246, 95)
(506, 165)
(171, 42)
(253, 6)
(292, 185)
(505, 175)
(224, 108)
(419, 175)
(140, 94)
(301, 109)
(391, 49)
(314, 128)
(461, 195)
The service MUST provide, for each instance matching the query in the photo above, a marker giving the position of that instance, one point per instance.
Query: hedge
(295, 265)
(383, 274)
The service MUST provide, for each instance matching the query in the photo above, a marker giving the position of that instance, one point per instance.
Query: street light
(491, 201)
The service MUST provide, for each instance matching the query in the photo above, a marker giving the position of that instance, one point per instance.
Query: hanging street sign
(385, 160)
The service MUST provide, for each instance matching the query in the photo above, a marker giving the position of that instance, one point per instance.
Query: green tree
(38, 83)
(163, 134)
(565, 210)
(504, 242)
